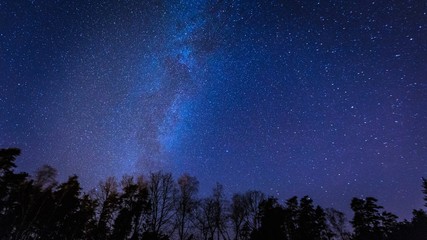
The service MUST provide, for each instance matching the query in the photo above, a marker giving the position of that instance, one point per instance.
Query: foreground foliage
(158, 207)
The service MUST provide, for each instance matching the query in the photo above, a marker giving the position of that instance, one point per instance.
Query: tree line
(158, 207)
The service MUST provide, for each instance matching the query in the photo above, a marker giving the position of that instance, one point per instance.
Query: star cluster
(325, 98)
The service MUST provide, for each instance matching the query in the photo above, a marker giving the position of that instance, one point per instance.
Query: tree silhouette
(239, 213)
(7, 160)
(158, 208)
(244, 214)
(368, 222)
(108, 200)
(161, 193)
(68, 216)
(14, 190)
(36, 204)
(203, 220)
(133, 205)
(337, 223)
(46, 177)
(311, 221)
(416, 229)
(212, 215)
(186, 204)
(220, 214)
(272, 221)
(291, 217)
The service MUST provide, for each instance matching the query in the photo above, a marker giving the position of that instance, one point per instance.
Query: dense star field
(319, 98)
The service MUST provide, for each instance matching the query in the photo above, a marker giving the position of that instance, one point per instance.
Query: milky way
(319, 98)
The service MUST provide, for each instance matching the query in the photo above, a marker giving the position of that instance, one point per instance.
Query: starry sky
(292, 97)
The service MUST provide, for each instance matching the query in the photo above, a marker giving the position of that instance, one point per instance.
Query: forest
(160, 207)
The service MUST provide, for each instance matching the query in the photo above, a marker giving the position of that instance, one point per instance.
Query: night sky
(319, 98)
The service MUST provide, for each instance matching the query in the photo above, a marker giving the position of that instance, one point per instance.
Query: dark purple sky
(325, 98)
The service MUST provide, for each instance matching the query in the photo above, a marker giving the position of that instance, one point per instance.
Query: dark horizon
(205, 192)
(162, 207)
(320, 98)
